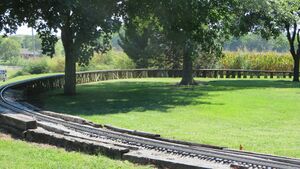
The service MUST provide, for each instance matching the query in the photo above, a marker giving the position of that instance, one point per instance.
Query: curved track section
(224, 157)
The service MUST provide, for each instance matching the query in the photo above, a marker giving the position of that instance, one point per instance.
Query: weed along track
(74, 133)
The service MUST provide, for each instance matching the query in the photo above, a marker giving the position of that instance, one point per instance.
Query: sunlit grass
(260, 115)
(24, 77)
(21, 155)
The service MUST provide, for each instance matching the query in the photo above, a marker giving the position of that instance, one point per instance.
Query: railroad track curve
(224, 158)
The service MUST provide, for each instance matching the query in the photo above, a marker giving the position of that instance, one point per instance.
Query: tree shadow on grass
(251, 84)
(123, 97)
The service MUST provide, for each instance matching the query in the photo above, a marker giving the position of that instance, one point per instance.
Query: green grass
(25, 77)
(21, 155)
(261, 115)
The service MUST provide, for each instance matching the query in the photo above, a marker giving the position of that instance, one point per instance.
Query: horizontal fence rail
(57, 81)
(217, 155)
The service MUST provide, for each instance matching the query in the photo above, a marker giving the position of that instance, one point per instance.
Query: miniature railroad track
(230, 158)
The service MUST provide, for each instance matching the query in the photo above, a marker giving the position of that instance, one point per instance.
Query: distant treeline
(253, 42)
(250, 42)
(13, 47)
(248, 52)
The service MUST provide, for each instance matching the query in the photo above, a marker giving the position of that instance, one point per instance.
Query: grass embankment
(21, 155)
(260, 115)
(16, 154)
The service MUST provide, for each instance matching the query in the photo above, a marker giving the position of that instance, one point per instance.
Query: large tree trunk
(296, 69)
(187, 72)
(70, 63)
(292, 36)
(70, 74)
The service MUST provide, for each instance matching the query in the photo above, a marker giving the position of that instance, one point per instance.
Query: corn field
(257, 61)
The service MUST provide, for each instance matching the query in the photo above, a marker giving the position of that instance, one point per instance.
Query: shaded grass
(16, 154)
(261, 115)
(24, 77)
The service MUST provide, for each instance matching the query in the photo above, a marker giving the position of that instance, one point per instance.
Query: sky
(25, 30)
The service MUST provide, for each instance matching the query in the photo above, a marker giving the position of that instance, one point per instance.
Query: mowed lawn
(260, 115)
(21, 155)
(16, 154)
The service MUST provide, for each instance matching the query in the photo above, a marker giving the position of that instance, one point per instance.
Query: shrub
(17, 60)
(19, 73)
(110, 60)
(37, 66)
(56, 64)
(45, 64)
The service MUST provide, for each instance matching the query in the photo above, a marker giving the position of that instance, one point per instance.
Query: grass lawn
(16, 154)
(260, 115)
(21, 155)
(25, 77)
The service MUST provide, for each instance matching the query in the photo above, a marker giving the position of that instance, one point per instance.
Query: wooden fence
(57, 81)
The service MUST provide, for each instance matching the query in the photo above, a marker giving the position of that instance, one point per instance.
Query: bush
(17, 60)
(110, 60)
(19, 73)
(37, 66)
(56, 64)
(45, 64)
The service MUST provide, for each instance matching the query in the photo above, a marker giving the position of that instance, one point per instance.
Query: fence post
(245, 74)
(233, 74)
(204, 74)
(221, 74)
(265, 75)
(290, 75)
(239, 74)
(258, 74)
(227, 74)
(216, 74)
(251, 75)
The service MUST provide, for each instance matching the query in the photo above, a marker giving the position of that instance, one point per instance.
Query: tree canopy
(271, 18)
(165, 31)
(9, 48)
(145, 43)
(254, 42)
(193, 26)
(86, 27)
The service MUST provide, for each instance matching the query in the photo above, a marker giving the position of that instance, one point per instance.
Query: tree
(32, 44)
(147, 46)
(254, 42)
(289, 18)
(280, 44)
(86, 26)
(192, 26)
(9, 48)
(8, 25)
(18, 38)
(8, 20)
(271, 18)
(59, 48)
(136, 41)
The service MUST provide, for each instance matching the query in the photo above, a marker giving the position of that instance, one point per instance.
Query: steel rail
(227, 156)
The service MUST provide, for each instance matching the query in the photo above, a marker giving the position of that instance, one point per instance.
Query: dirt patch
(4, 135)
(43, 145)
